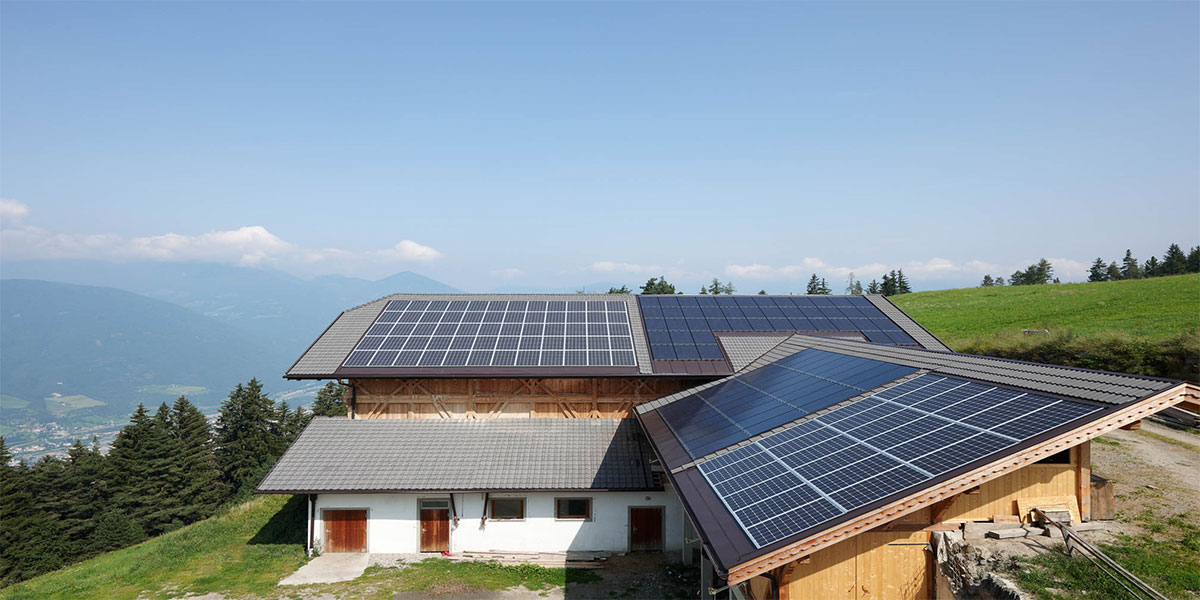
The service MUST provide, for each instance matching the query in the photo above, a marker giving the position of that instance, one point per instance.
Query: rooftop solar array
(747, 405)
(870, 449)
(483, 333)
(681, 327)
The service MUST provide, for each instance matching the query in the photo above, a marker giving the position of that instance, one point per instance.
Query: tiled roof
(326, 355)
(339, 454)
(745, 349)
(326, 358)
(1102, 386)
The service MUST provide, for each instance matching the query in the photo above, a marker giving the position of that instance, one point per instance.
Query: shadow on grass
(287, 526)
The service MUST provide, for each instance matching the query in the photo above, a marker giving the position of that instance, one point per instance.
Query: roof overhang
(1104, 422)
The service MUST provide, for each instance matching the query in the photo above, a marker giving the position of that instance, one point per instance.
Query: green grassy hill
(1144, 326)
(245, 551)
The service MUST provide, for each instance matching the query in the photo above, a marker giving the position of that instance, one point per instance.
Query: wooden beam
(910, 527)
(1134, 426)
(994, 470)
(942, 508)
(1083, 479)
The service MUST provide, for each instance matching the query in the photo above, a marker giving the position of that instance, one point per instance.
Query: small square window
(573, 508)
(508, 509)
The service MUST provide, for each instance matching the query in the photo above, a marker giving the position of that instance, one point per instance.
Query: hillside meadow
(1142, 326)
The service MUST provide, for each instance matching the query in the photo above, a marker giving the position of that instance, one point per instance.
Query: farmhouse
(798, 446)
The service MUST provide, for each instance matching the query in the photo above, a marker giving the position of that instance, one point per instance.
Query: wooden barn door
(894, 566)
(435, 526)
(868, 566)
(345, 530)
(646, 529)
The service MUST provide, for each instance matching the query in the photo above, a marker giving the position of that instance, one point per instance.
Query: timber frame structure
(413, 398)
(948, 490)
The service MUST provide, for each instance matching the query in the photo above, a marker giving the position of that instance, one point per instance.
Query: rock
(976, 531)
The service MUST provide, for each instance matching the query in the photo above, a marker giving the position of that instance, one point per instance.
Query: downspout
(312, 517)
(453, 510)
(353, 401)
(483, 516)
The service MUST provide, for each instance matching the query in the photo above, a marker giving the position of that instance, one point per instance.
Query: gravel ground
(1150, 473)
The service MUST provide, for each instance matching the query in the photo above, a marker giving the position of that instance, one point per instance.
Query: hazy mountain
(117, 348)
(283, 310)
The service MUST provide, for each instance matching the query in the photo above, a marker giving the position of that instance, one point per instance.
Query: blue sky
(545, 146)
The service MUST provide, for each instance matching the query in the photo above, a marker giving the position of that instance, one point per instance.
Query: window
(506, 509)
(573, 508)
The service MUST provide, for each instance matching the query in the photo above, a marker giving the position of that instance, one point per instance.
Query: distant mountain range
(83, 342)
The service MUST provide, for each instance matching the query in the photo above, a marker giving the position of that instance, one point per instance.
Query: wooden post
(1083, 479)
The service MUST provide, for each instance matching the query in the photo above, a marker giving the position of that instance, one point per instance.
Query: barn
(797, 446)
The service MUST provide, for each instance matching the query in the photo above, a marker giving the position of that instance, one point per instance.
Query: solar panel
(755, 402)
(681, 327)
(873, 448)
(482, 333)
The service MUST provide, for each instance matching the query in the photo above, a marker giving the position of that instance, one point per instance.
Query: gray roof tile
(339, 454)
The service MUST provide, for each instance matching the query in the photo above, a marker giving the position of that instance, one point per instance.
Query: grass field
(1158, 308)
(245, 552)
(12, 402)
(59, 406)
(1143, 326)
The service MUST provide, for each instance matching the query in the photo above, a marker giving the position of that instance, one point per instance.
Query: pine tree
(1174, 261)
(1193, 260)
(329, 402)
(824, 290)
(762, 292)
(987, 281)
(246, 437)
(1114, 272)
(658, 285)
(902, 283)
(814, 285)
(1152, 268)
(853, 286)
(1099, 271)
(999, 281)
(32, 538)
(87, 494)
(873, 287)
(145, 473)
(203, 490)
(1129, 267)
(115, 530)
(888, 288)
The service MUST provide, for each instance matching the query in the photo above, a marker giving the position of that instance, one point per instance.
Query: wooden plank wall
(999, 496)
(503, 398)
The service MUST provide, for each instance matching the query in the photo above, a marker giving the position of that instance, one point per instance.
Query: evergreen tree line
(164, 470)
(1174, 262)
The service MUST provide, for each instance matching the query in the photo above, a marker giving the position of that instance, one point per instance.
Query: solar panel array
(681, 327)
(868, 450)
(483, 333)
(773, 395)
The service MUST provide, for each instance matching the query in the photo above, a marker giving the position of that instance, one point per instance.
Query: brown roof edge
(1117, 417)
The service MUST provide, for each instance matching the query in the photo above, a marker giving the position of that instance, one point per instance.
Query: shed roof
(335, 454)
(718, 485)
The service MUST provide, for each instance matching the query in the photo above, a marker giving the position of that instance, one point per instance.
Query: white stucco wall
(393, 522)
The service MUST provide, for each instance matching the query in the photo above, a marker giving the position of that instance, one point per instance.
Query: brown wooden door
(646, 529)
(345, 530)
(435, 530)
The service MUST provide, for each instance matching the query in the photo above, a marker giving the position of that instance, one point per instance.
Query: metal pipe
(312, 517)
(1071, 536)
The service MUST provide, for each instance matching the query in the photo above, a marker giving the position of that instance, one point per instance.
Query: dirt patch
(1151, 473)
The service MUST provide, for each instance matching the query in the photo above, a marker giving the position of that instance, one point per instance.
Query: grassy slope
(245, 551)
(1158, 308)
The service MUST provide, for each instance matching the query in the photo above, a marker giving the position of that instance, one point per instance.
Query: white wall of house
(393, 524)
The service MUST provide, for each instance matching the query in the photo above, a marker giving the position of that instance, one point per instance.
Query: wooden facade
(503, 398)
(893, 562)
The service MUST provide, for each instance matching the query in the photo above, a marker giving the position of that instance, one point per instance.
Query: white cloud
(607, 266)
(806, 268)
(11, 210)
(508, 273)
(252, 245)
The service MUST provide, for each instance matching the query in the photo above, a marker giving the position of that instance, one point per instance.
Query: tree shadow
(289, 525)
